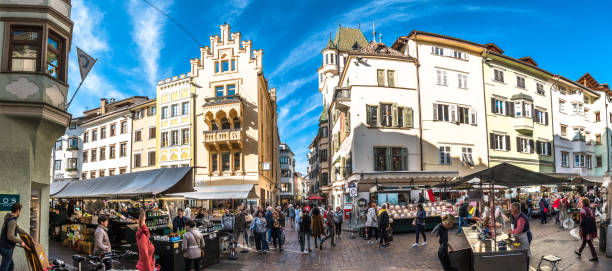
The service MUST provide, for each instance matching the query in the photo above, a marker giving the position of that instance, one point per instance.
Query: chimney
(103, 103)
(112, 100)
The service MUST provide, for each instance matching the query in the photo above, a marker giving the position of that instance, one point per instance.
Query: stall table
(487, 255)
(171, 253)
(405, 224)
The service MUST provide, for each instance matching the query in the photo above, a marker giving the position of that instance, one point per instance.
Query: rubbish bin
(603, 229)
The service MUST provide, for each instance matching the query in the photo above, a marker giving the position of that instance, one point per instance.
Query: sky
(136, 45)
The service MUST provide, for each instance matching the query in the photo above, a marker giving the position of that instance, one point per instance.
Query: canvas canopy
(216, 192)
(149, 182)
(507, 176)
(56, 187)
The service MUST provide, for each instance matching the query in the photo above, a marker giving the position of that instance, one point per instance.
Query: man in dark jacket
(544, 209)
(304, 231)
(383, 225)
(331, 226)
(9, 239)
(178, 223)
(240, 227)
(463, 213)
(268, 217)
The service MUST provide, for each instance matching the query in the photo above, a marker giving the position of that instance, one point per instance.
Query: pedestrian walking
(276, 231)
(588, 228)
(304, 231)
(146, 250)
(291, 215)
(298, 213)
(383, 226)
(555, 207)
(101, 242)
(228, 221)
(331, 226)
(268, 217)
(9, 238)
(338, 219)
(419, 223)
(543, 203)
(463, 213)
(317, 228)
(258, 226)
(371, 223)
(521, 230)
(441, 230)
(529, 203)
(240, 228)
(187, 211)
(192, 246)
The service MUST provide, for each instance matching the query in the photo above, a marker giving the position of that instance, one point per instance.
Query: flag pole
(73, 95)
(82, 79)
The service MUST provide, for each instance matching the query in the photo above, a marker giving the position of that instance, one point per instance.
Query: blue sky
(136, 46)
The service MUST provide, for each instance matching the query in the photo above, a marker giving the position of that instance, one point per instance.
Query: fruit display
(432, 209)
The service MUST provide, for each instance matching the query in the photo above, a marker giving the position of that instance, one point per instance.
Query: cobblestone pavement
(356, 254)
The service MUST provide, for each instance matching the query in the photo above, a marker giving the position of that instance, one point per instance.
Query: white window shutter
(474, 120)
(453, 113)
(439, 76)
(465, 80)
(435, 112)
(444, 82)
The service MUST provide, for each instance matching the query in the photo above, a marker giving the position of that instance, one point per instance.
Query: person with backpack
(9, 239)
(371, 223)
(193, 243)
(338, 219)
(419, 223)
(258, 226)
(441, 230)
(463, 213)
(588, 228)
(228, 221)
(383, 226)
(331, 226)
(304, 231)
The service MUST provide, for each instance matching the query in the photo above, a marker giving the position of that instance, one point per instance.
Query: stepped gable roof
(348, 39)
(379, 48)
(521, 96)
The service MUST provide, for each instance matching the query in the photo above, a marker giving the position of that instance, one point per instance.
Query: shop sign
(475, 195)
(353, 191)
(7, 200)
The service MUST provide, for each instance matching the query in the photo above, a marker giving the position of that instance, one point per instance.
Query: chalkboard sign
(475, 195)
(7, 200)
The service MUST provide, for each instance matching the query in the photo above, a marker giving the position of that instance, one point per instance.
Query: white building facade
(287, 168)
(66, 160)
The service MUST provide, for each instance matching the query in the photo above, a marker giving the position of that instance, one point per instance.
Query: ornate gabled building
(236, 136)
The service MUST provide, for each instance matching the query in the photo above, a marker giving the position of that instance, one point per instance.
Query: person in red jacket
(145, 247)
(556, 205)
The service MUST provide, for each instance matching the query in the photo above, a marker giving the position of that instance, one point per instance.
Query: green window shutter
(381, 78)
(394, 115)
(391, 78)
(368, 115)
(408, 119)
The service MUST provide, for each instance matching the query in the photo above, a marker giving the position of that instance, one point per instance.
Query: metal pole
(73, 95)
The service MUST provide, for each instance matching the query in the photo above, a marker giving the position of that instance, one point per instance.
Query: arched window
(225, 124)
(236, 123)
(214, 126)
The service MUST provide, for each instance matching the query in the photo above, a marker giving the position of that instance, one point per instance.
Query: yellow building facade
(175, 122)
(144, 136)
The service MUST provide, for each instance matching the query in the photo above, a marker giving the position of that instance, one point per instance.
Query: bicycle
(99, 263)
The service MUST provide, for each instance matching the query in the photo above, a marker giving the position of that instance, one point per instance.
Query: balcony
(72, 173)
(72, 153)
(223, 137)
(230, 105)
(523, 125)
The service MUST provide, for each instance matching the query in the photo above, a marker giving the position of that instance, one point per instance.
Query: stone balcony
(223, 137)
(73, 173)
(523, 125)
(230, 106)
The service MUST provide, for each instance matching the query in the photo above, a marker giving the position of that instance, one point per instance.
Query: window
(225, 125)
(72, 126)
(85, 137)
(24, 49)
(390, 78)
(588, 161)
(464, 115)
(543, 148)
(284, 160)
(164, 112)
(219, 91)
(438, 51)
(466, 156)
(174, 110)
(598, 161)
(101, 173)
(124, 128)
(527, 110)
(233, 65)
(460, 55)
(231, 90)
(441, 112)
(562, 90)
(174, 138)
(225, 66)
(324, 132)
(84, 156)
(94, 155)
(137, 160)
(152, 132)
(441, 77)
(323, 155)
(387, 115)
(597, 116)
(520, 82)
(380, 77)
(498, 75)
(84, 176)
(92, 175)
(372, 115)
(236, 123)
(113, 128)
(524, 145)
(111, 151)
(577, 108)
(564, 159)
(214, 162)
(185, 108)
(579, 160)
(151, 160)
(237, 161)
(122, 170)
(102, 153)
(185, 136)
(541, 117)
(164, 139)
(54, 56)
(462, 80)
(563, 130)
(58, 145)
(390, 159)
(444, 155)
(540, 89)
(111, 172)
(151, 111)
(58, 164)
(73, 143)
(499, 142)
(579, 134)
(123, 150)
(498, 106)
(138, 135)
(138, 114)
(94, 135)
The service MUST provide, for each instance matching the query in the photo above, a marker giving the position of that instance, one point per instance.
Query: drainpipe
(484, 97)
(607, 133)
(418, 65)
(552, 128)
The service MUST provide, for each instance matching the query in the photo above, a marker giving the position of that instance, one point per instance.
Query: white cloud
(147, 33)
(289, 88)
(87, 32)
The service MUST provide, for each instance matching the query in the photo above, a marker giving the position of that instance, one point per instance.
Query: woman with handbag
(193, 245)
(588, 228)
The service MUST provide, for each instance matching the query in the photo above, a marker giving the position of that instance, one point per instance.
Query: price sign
(7, 200)
(475, 195)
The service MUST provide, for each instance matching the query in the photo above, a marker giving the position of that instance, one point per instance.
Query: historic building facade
(235, 117)
(144, 136)
(287, 168)
(175, 147)
(36, 39)
(66, 160)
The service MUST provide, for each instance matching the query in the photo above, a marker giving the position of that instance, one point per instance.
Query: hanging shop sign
(475, 195)
(7, 200)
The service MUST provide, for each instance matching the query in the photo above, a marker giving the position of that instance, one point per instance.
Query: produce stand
(171, 252)
(488, 255)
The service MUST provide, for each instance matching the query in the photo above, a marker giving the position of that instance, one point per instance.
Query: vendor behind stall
(178, 223)
(520, 228)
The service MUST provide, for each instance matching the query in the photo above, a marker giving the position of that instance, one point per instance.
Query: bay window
(29, 48)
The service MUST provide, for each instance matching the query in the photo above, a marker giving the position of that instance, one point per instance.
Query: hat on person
(449, 218)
